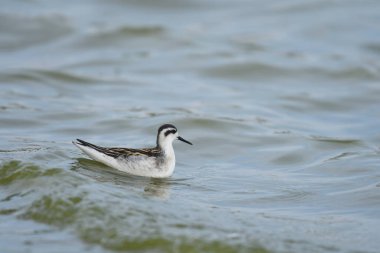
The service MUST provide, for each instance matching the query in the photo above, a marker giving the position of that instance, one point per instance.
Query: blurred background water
(280, 98)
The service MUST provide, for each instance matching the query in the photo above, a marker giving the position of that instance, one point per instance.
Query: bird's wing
(126, 152)
(116, 152)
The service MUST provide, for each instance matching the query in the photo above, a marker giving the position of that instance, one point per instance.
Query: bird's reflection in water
(152, 187)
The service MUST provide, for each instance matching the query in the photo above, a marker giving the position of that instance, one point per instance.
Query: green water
(280, 98)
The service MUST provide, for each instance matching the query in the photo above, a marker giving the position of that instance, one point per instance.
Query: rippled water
(280, 98)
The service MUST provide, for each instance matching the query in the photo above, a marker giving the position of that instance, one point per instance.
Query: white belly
(147, 167)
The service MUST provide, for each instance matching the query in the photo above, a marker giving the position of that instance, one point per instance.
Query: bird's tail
(80, 142)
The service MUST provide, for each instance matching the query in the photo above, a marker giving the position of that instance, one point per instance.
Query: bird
(155, 162)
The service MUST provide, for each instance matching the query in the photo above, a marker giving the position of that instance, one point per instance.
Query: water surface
(281, 101)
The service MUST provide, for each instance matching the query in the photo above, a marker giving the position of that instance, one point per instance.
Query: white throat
(168, 161)
(167, 148)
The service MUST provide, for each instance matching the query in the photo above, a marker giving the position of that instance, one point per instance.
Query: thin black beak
(182, 139)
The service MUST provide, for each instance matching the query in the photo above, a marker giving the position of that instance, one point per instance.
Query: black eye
(170, 132)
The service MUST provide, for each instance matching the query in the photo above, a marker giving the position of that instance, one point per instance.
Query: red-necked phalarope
(148, 162)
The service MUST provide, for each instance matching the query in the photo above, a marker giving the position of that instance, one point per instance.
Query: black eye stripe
(170, 132)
